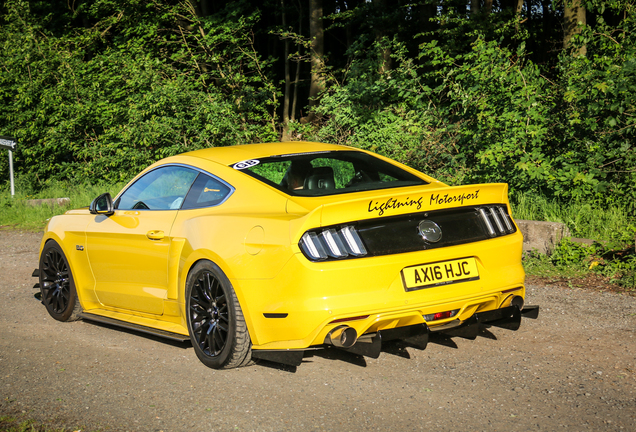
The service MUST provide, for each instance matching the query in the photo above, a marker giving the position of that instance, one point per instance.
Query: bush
(99, 102)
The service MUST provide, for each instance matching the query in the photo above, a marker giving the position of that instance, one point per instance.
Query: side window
(161, 189)
(206, 192)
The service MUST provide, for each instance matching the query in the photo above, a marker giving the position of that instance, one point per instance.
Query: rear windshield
(327, 173)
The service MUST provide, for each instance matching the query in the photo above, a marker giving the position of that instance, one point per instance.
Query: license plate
(440, 273)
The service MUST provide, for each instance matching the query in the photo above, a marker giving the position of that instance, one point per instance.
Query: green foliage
(477, 109)
(101, 102)
(569, 253)
(583, 218)
(386, 112)
(578, 260)
(498, 103)
(94, 91)
(598, 114)
(612, 228)
(479, 116)
(618, 262)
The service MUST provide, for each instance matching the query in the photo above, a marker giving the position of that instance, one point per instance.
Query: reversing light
(319, 245)
(440, 315)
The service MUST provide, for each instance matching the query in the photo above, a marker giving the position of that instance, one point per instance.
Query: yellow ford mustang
(266, 251)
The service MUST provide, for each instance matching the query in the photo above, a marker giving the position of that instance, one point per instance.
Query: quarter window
(206, 192)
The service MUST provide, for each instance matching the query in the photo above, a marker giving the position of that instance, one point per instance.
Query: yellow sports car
(265, 251)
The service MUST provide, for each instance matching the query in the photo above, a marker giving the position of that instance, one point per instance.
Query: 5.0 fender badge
(430, 231)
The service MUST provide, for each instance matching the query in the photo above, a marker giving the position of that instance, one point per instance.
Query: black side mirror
(103, 205)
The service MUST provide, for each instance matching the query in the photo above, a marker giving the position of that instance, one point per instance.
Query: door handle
(155, 235)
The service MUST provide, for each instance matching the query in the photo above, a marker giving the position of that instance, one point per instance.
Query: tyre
(57, 285)
(215, 320)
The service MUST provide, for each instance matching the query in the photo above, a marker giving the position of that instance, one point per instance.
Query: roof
(232, 154)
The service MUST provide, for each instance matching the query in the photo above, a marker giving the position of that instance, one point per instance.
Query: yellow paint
(127, 263)
(135, 264)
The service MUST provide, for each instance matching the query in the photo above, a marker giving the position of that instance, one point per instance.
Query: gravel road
(572, 369)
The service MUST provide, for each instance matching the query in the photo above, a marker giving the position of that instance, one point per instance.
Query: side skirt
(136, 327)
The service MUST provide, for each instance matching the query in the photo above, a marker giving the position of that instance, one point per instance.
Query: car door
(128, 250)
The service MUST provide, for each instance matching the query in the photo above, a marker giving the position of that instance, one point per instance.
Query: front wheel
(57, 284)
(215, 320)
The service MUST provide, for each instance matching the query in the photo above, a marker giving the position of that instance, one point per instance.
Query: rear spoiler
(401, 201)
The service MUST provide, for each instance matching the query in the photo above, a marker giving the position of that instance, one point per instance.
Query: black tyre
(57, 284)
(215, 320)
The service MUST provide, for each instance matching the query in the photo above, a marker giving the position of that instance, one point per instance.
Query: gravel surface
(572, 369)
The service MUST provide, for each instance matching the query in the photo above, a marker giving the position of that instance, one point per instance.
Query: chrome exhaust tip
(342, 337)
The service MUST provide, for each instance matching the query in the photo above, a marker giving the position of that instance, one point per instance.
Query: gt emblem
(79, 247)
(430, 231)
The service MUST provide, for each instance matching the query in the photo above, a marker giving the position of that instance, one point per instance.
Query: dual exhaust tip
(342, 337)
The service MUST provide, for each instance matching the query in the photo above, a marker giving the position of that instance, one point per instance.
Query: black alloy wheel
(215, 321)
(57, 284)
(209, 314)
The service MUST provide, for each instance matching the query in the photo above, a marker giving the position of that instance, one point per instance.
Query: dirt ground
(572, 369)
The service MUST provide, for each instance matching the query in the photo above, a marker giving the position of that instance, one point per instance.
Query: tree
(381, 29)
(574, 17)
(317, 53)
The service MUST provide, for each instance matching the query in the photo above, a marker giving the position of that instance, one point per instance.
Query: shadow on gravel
(394, 347)
(277, 366)
(398, 348)
(338, 355)
(485, 333)
(447, 341)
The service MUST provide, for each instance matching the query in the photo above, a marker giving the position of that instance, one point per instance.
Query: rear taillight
(313, 247)
(326, 243)
(496, 220)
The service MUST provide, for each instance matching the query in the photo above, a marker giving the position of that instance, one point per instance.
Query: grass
(584, 219)
(15, 213)
(612, 257)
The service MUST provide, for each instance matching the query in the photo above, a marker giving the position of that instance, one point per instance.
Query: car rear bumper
(306, 301)
(417, 335)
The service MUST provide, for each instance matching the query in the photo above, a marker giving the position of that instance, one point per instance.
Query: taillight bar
(321, 244)
(496, 220)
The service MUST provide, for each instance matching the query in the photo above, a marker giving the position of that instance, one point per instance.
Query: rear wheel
(57, 284)
(215, 320)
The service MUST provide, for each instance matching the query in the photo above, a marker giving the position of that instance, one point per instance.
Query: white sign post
(9, 143)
